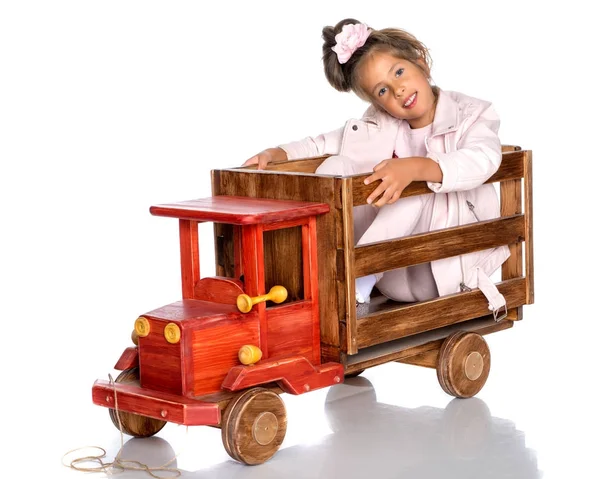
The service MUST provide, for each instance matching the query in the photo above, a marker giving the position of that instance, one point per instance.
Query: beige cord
(118, 464)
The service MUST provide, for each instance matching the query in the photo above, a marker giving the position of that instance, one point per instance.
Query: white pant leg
(407, 216)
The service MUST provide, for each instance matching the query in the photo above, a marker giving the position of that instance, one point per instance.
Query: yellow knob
(172, 333)
(277, 294)
(249, 354)
(142, 327)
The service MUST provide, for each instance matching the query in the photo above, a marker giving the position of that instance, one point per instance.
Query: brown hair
(345, 76)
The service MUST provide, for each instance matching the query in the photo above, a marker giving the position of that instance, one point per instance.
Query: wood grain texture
(427, 359)
(154, 404)
(463, 364)
(190, 257)
(254, 426)
(283, 261)
(239, 210)
(132, 424)
(350, 273)
(421, 343)
(218, 289)
(297, 187)
(528, 187)
(295, 375)
(311, 283)
(290, 331)
(426, 247)
(128, 360)
(510, 169)
(408, 319)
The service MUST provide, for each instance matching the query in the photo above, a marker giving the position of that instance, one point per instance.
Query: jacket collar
(446, 115)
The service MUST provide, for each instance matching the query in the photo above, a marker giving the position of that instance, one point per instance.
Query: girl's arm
(477, 158)
(325, 144)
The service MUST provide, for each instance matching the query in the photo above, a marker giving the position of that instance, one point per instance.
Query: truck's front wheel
(253, 426)
(134, 424)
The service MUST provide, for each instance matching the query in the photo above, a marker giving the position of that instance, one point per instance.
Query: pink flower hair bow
(350, 39)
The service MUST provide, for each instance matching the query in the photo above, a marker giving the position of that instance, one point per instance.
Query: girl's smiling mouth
(411, 101)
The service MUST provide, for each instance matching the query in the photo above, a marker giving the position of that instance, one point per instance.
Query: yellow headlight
(142, 327)
(172, 333)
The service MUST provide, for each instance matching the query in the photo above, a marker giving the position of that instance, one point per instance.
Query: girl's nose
(399, 91)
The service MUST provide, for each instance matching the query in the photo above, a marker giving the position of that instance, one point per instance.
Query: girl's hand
(265, 157)
(395, 175)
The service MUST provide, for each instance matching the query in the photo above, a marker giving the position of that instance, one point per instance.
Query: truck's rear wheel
(253, 426)
(134, 424)
(463, 364)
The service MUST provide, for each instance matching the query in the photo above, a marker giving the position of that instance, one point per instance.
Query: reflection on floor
(376, 440)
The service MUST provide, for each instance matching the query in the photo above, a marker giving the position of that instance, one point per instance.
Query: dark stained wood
(420, 343)
(128, 360)
(297, 187)
(239, 210)
(218, 290)
(295, 375)
(510, 204)
(427, 359)
(132, 424)
(349, 269)
(283, 261)
(510, 169)
(190, 257)
(422, 248)
(155, 404)
(311, 283)
(409, 319)
(506, 148)
(463, 364)
(528, 183)
(303, 165)
(254, 426)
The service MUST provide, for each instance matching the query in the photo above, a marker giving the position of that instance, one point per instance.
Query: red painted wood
(214, 350)
(254, 276)
(160, 361)
(168, 407)
(286, 224)
(313, 274)
(218, 289)
(237, 252)
(296, 375)
(239, 210)
(192, 309)
(128, 360)
(290, 330)
(190, 257)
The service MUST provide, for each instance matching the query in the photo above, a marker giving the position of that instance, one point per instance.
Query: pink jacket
(464, 142)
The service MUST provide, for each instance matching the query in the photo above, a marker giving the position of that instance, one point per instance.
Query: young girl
(412, 131)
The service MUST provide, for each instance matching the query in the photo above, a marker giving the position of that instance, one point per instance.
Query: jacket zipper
(472, 208)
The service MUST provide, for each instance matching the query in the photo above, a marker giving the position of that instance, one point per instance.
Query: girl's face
(399, 87)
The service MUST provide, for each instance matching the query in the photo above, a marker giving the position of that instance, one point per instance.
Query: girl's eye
(382, 91)
(399, 72)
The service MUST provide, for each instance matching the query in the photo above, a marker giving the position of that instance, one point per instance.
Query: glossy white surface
(109, 107)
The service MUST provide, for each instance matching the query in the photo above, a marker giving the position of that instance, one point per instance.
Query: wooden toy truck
(280, 316)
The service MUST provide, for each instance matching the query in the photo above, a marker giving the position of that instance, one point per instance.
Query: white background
(108, 107)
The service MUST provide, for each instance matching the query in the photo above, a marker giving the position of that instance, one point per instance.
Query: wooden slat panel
(300, 187)
(349, 274)
(426, 247)
(510, 169)
(528, 182)
(415, 318)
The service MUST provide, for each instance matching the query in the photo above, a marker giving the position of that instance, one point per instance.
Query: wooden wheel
(463, 364)
(253, 426)
(134, 424)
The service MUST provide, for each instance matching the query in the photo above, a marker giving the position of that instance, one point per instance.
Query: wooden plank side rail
(426, 247)
(414, 318)
(512, 168)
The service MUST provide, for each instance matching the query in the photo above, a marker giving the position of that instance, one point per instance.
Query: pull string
(118, 465)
